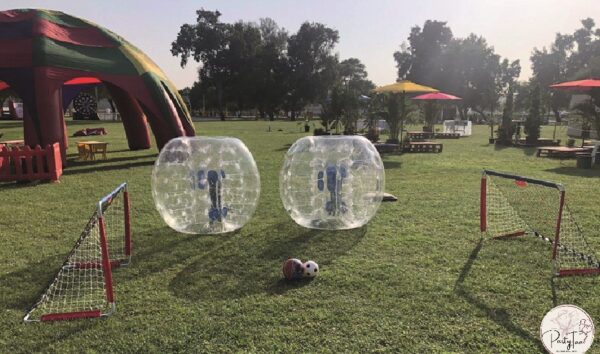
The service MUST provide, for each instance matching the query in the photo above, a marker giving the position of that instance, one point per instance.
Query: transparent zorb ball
(332, 182)
(205, 185)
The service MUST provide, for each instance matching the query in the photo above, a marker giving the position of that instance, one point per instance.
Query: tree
(270, 82)
(521, 96)
(506, 129)
(245, 65)
(473, 70)
(467, 67)
(420, 60)
(311, 65)
(394, 109)
(343, 103)
(205, 41)
(550, 67)
(430, 111)
(533, 120)
(353, 79)
(185, 94)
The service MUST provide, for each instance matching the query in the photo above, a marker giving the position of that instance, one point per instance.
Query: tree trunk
(220, 100)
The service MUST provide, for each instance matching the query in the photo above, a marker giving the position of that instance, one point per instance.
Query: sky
(369, 30)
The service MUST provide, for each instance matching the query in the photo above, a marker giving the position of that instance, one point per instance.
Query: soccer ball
(311, 269)
(293, 269)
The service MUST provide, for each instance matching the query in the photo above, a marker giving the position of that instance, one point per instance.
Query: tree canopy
(466, 67)
(247, 65)
(569, 57)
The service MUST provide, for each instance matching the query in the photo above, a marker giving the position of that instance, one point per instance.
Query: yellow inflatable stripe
(142, 63)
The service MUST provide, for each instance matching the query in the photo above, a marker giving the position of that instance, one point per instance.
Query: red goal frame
(555, 240)
(105, 263)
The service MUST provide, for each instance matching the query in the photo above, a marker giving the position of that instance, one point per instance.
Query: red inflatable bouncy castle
(41, 50)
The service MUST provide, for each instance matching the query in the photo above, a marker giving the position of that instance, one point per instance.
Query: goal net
(513, 206)
(82, 287)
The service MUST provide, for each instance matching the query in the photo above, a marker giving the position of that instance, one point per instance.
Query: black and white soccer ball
(311, 269)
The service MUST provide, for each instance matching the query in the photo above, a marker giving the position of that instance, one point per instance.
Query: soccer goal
(83, 287)
(512, 206)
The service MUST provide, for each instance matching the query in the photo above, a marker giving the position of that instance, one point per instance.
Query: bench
(447, 135)
(419, 135)
(424, 146)
(384, 148)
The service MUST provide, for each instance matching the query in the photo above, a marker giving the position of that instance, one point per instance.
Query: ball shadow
(253, 265)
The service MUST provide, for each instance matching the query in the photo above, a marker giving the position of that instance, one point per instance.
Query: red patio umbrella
(436, 96)
(579, 85)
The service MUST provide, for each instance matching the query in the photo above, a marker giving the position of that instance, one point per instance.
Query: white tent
(462, 127)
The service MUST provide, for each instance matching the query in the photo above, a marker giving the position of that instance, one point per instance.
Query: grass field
(416, 279)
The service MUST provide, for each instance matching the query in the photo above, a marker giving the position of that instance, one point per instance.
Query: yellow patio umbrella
(403, 87)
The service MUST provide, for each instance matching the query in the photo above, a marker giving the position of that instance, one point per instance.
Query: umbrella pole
(402, 110)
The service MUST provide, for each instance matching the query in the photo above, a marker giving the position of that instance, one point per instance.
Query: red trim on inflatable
(15, 16)
(83, 81)
(49, 121)
(3, 85)
(90, 37)
(16, 53)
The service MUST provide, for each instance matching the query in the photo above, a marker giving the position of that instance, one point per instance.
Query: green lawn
(416, 279)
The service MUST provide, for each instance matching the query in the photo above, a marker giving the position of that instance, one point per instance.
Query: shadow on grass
(156, 250)
(574, 171)
(109, 160)
(104, 168)
(286, 147)
(498, 315)
(22, 287)
(8, 125)
(22, 184)
(253, 266)
(129, 150)
(572, 289)
(554, 294)
(388, 165)
(499, 147)
(529, 151)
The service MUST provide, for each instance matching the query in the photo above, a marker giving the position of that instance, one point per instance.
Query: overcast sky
(369, 30)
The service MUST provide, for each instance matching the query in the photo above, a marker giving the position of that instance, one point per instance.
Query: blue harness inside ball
(335, 179)
(214, 180)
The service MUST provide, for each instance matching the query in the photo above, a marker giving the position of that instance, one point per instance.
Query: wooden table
(545, 142)
(560, 151)
(424, 146)
(89, 149)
